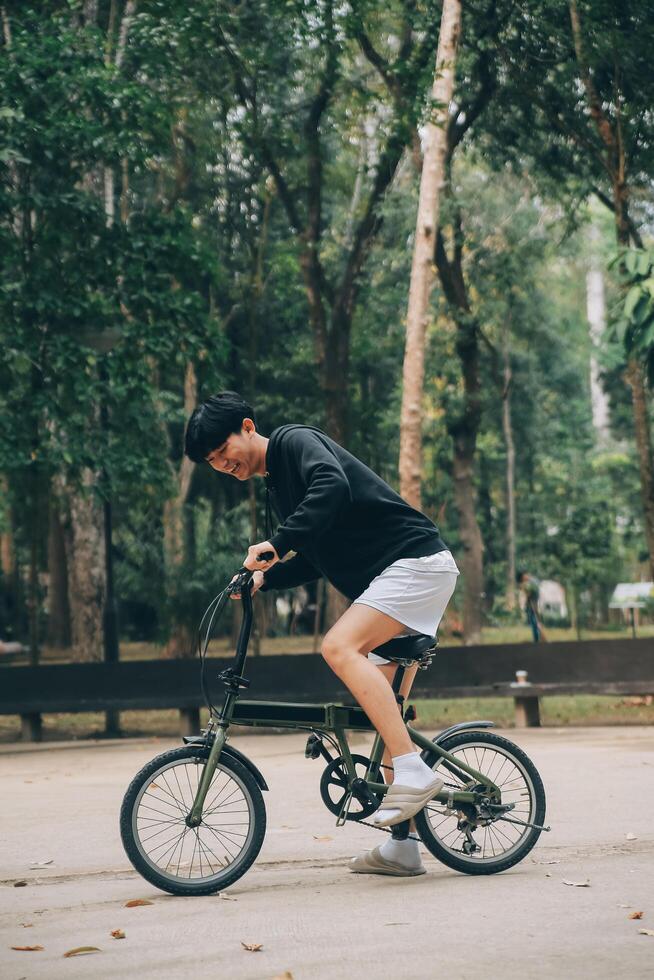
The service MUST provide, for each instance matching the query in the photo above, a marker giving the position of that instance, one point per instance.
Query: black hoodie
(342, 519)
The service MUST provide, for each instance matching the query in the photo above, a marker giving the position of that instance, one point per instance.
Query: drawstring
(268, 514)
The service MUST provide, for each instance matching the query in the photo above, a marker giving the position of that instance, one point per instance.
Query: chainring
(334, 783)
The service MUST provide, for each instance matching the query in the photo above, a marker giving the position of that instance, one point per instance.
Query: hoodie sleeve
(287, 574)
(317, 468)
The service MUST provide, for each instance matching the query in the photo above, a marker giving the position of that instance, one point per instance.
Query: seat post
(397, 683)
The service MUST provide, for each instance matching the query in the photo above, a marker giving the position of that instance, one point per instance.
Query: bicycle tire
(469, 864)
(133, 845)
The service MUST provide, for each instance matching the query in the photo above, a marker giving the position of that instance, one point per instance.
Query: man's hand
(255, 585)
(254, 551)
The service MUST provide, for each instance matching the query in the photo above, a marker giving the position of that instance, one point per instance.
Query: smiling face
(236, 455)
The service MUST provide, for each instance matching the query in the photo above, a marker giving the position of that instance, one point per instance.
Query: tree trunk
(337, 604)
(596, 313)
(33, 603)
(180, 642)
(7, 557)
(470, 534)
(58, 634)
(634, 376)
(261, 607)
(422, 274)
(507, 428)
(610, 132)
(82, 523)
(463, 429)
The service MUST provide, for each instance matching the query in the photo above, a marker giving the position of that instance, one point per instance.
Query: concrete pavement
(315, 919)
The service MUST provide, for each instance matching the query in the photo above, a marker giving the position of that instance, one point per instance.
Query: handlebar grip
(263, 556)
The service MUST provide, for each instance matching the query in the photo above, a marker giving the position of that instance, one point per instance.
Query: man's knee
(335, 650)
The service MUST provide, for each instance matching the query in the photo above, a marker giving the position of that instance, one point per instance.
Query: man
(344, 522)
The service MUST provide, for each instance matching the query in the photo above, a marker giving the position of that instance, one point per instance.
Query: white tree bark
(422, 270)
(596, 312)
(507, 428)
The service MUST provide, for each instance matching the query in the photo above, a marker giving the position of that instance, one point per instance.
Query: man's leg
(389, 670)
(345, 648)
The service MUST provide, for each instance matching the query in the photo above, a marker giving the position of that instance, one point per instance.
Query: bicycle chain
(363, 823)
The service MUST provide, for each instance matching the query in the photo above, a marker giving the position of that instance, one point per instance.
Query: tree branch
(607, 202)
(592, 96)
(400, 134)
(249, 103)
(313, 230)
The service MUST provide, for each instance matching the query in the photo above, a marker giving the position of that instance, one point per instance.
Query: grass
(584, 710)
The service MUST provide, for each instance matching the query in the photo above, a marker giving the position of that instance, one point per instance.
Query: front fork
(194, 818)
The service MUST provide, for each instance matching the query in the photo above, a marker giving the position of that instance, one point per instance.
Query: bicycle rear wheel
(186, 860)
(489, 846)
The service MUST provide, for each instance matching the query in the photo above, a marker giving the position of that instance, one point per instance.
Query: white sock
(404, 852)
(408, 770)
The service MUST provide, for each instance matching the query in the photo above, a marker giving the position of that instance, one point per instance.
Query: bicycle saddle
(406, 647)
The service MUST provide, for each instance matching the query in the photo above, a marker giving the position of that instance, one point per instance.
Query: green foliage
(633, 324)
(202, 263)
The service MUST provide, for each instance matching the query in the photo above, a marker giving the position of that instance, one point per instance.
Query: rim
(192, 855)
(500, 839)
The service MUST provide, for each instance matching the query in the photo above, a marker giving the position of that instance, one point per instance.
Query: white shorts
(415, 591)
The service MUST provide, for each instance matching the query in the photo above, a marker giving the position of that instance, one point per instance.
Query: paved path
(315, 919)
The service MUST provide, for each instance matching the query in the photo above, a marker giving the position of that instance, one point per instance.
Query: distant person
(530, 588)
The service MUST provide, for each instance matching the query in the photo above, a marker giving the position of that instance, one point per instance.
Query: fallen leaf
(286, 975)
(631, 837)
(252, 947)
(577, 884)
(635, 915)
(322, 837)
(82, 950)
(134, 902)
(27, 949)
(548, 874)
(118, 933)
(27, 925)
(646, 932)
(19, 884)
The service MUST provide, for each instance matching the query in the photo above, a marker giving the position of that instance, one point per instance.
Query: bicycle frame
(331, 719)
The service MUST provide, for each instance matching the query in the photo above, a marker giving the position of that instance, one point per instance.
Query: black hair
(520, 574)
(213, 421)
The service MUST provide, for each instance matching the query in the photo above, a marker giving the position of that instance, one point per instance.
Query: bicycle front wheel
(461, 838)
(187, 860)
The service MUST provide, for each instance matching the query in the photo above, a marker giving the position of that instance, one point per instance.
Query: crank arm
(342, 817)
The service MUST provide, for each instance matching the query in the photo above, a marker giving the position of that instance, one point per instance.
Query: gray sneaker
(373, 863)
